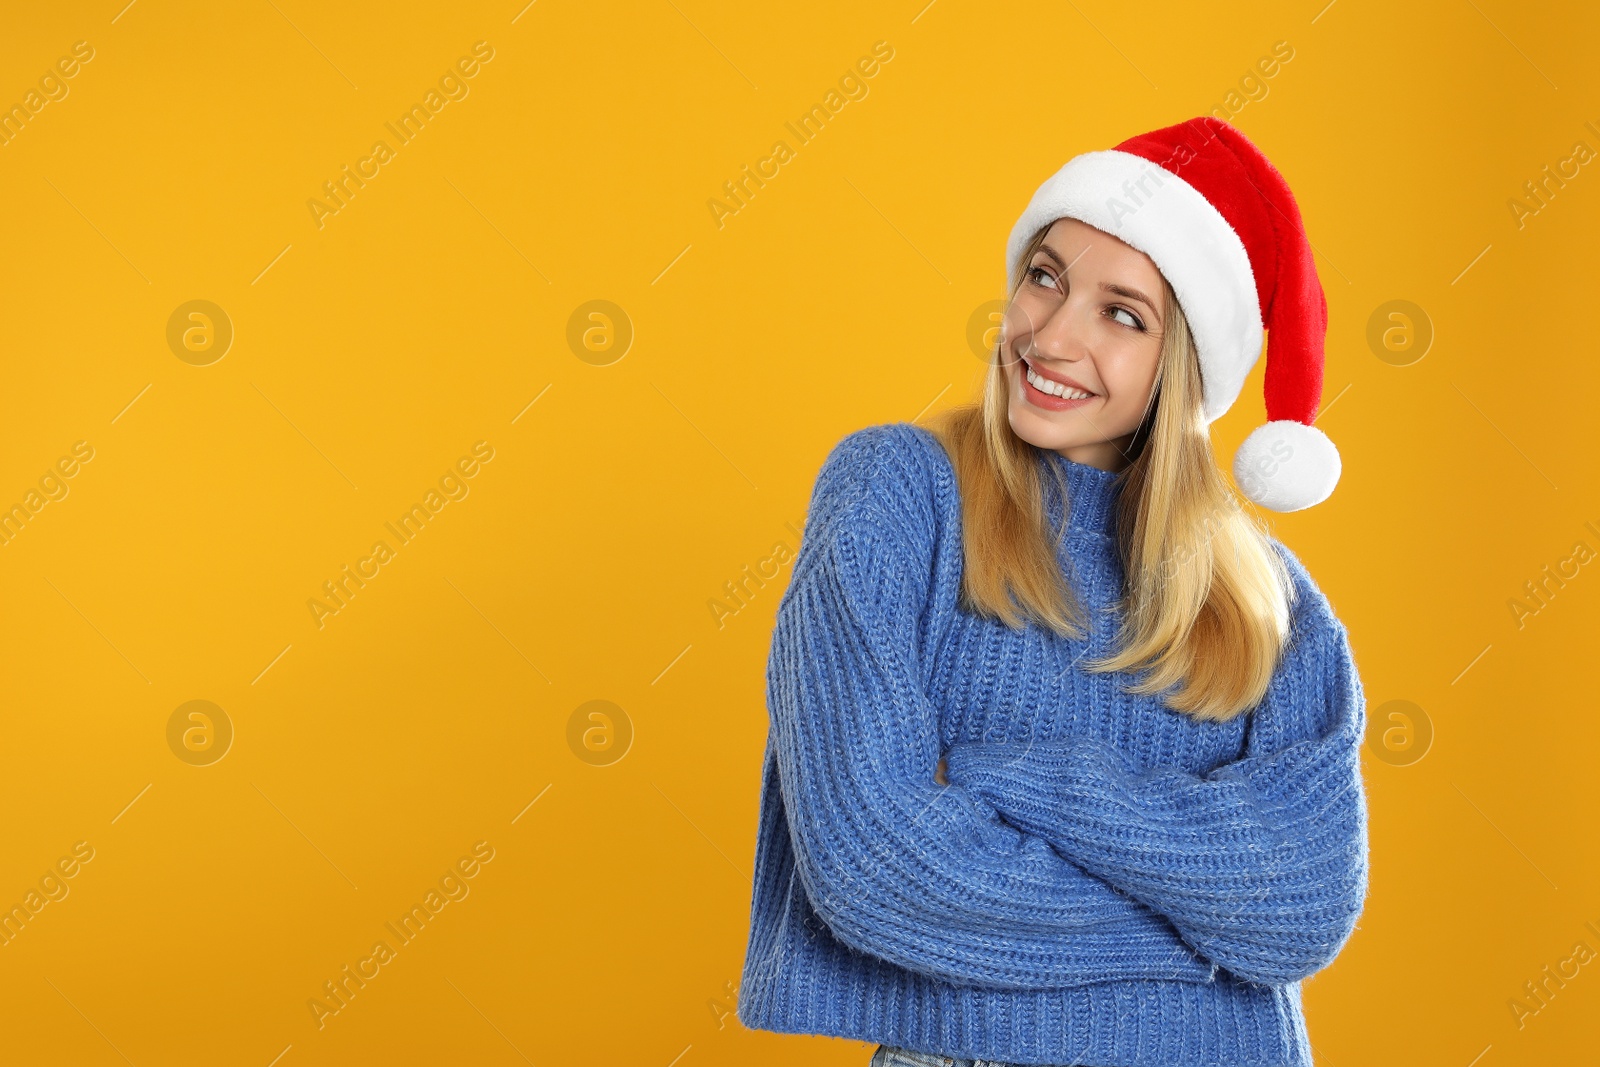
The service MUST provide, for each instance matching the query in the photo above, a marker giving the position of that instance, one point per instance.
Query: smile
(1047, 392)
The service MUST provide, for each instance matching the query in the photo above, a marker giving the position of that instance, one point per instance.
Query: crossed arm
(1260, 864)
(925, 876)
(1053, 864)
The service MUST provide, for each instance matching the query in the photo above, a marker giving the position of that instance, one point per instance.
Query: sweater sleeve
(924, 876)
(1262, 863)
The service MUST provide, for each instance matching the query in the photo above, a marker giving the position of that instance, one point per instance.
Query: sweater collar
(1091, 491)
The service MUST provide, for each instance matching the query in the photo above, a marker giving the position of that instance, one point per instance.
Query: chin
(1041, 431)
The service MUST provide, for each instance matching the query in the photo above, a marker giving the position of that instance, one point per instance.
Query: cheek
(1019, 323)
(1130, 373)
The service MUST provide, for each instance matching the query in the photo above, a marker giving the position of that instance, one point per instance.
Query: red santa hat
(1221, 225)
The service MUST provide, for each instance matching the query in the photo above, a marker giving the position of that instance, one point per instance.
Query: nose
(1060, 335)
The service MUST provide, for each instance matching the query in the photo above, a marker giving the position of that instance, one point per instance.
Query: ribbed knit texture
(1104, 881)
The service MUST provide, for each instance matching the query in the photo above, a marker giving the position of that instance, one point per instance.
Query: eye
(1136, 323)
(1036, 273)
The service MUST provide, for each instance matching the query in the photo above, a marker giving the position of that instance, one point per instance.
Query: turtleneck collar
(1091, 492)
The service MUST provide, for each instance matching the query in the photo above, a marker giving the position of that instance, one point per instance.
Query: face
(1087, 319)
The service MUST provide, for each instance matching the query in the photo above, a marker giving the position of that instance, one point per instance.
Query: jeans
(886, 1056)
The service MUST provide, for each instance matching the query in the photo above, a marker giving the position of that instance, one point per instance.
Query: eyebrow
(1110, 287)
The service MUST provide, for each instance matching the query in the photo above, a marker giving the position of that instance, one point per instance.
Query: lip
(1049, 401)
(1062, 378)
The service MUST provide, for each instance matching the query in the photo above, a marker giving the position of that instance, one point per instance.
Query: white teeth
(1045, 385)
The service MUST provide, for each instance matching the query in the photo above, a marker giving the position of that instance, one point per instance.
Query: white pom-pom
(1286, 465)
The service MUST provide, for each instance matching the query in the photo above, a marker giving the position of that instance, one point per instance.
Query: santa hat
(1218, 220)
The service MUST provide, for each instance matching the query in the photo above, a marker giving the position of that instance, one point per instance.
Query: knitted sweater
(1104, 881)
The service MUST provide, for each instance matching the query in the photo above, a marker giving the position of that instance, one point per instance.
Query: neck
(1107, 455)
(1091, 493)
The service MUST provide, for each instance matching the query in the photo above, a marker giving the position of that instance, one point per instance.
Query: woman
(1063, 765)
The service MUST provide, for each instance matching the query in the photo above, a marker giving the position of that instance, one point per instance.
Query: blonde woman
(1063, 765)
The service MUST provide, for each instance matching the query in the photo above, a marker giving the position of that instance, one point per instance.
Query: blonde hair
(1206, 598)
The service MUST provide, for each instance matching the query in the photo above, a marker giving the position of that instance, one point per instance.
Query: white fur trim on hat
(1166, 218)
(1286, 465)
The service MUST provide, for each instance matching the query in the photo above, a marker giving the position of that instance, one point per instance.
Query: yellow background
(369, 354)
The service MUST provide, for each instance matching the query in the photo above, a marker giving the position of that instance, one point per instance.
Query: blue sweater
(1104, 881)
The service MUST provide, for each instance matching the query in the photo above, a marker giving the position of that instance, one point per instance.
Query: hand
(938, 773)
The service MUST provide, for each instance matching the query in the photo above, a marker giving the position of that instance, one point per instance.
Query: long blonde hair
(1206, 599)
